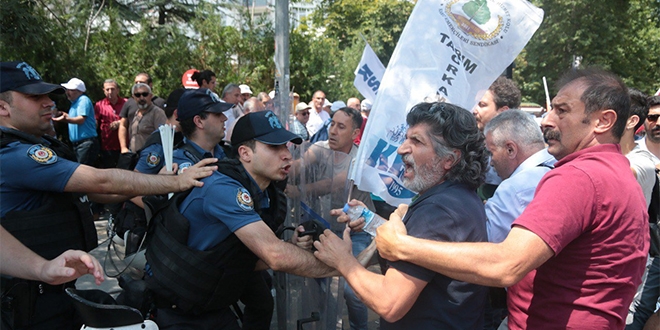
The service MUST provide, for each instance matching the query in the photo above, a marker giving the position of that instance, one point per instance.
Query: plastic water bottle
(371, 219)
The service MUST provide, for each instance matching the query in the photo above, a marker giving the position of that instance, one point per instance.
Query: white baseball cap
(366, 105)
(75, 83)
(245, 89)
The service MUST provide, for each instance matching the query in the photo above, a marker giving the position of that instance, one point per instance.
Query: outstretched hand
(70, 265)
(191, 176)
(332, 250)
(355, 225)
(389, 234)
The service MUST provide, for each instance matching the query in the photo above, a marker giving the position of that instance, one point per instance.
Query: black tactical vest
(199, 281)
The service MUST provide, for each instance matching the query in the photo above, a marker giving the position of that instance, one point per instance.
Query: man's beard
(654, 134)
(143, 105)
(425, 176)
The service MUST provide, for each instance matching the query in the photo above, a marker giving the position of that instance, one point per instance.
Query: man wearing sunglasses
(300, 119)
(652, 126)
(129, 109)
(137, 124)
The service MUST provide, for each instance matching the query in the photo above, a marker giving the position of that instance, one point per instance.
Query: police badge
(42, 155)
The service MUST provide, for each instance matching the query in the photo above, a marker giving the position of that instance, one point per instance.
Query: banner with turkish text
(368, 74)
(451, 51)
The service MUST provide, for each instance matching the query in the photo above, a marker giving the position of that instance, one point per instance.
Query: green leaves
(477, 10)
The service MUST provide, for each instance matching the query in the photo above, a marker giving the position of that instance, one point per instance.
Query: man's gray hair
(228, 88)
(140, 85)
(252, 104)
(450, 128)
(517, 126)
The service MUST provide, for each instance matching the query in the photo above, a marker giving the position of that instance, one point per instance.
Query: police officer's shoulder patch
(244, 200)
(153, 159)
(42, 154)
(183, 167)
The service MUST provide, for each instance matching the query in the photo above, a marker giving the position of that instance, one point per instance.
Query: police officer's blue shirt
(216, 210)
(185, 158)
(29, 173)
(82, 106)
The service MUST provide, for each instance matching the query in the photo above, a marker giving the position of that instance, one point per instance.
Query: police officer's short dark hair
(188, 125)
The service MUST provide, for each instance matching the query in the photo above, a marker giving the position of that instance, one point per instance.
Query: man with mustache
(445, 162)
(197, 273)
(574, 258)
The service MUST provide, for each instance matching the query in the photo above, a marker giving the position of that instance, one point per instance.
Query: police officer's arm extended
(116, 181)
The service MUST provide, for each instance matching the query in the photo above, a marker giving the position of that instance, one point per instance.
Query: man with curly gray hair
(444, 161)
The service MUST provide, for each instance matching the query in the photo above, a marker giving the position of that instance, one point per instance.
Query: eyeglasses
(144, 94)
(306, 113)
(652, 117)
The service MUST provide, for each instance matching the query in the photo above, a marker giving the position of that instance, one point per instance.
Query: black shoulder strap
(227, 148)
(9, 135)
(191, 152)
(151, 140)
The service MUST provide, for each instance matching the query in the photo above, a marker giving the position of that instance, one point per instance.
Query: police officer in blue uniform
(204, 253)
(150, 160)
(202, 122)
(43, 205)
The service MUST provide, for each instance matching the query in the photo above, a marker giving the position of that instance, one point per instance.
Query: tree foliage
(327, 60)
(618, 35)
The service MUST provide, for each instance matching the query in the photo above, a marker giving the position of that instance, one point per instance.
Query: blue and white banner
(450, 50)
(369, 74)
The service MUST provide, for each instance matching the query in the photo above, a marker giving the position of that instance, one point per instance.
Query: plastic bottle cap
(346, 207)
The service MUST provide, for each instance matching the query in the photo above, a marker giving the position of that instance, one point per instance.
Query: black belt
(83, 140)
(41, 287)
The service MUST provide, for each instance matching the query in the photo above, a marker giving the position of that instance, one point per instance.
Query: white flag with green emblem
(450, 50)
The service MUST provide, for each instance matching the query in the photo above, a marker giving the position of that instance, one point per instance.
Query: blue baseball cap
(21, 77)
(196, 101)
(263, 126)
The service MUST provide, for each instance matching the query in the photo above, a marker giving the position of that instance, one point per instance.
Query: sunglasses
(652, 117)
(144, 94)
(306, 113)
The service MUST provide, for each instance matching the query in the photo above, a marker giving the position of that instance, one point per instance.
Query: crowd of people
(515, 226)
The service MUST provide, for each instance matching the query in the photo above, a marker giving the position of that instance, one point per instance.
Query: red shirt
(359, 137)
(591, 212)
(105, 114)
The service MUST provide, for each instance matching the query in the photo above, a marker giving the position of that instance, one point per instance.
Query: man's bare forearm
(122, 133)
(16, 259)
(117, 181)
(299, 262)
(480, 263)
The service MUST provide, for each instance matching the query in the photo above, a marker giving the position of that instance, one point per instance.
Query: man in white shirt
(317, 116)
